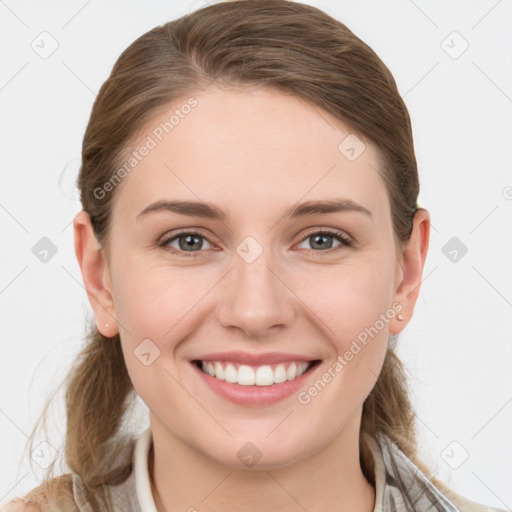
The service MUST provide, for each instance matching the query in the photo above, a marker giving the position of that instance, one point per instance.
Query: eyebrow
(209, 211)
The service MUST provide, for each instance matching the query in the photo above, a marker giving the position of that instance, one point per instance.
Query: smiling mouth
(263, 375)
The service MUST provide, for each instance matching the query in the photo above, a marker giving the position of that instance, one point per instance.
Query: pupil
(320, 237)
(190, 240)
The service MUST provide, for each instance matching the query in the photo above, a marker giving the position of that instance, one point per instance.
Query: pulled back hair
(286, 45)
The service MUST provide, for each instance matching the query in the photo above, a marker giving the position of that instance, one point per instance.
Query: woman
(251, 245)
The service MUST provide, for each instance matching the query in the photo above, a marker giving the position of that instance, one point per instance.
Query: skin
(254, 152)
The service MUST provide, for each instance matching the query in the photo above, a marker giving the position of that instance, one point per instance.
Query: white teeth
(219, 371)
(248, 376)
(264, 376)
(230, 374)
(291, 373)
(301, 369)
(279, 374)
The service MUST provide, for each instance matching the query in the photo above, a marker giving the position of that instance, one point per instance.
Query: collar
(143, 484)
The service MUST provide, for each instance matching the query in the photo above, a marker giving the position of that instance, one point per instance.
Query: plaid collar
(400, 486)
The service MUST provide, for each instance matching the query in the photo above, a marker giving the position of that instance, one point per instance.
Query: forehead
(247, 149)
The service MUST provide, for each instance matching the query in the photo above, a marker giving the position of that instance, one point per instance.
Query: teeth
(230, 374)
(264, 376)
(219, 371)
(248, 376)
(301, 369)
(291, 373)
(280, 374)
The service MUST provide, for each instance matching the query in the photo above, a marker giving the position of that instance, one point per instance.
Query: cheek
(157, 308)
(350, 299)
(355, 310)
(355, 322)
(151, 301)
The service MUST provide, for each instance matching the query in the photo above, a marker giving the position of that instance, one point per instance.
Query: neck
(327, 481)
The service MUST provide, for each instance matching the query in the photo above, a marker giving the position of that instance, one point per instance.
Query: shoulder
(466, 505)
(17, 505)
(54, 495)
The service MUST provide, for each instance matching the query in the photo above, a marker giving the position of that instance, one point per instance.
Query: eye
(188, 241)
(192, 242)
(322, 240)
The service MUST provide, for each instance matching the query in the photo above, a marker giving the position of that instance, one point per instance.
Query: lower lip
(254, 395)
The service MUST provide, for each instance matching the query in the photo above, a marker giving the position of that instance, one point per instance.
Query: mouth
(255, 375)
(254, 379)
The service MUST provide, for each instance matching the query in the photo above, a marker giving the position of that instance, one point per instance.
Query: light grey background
(458, 345)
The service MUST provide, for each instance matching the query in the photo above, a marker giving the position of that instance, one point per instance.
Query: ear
(410, 270)
(95, 274)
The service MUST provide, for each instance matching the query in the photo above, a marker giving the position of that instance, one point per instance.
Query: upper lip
(254, 359)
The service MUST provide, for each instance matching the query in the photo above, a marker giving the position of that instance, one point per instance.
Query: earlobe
(95, 274)
(414, 255)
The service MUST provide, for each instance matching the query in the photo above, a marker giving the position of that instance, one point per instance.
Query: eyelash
(345, 242)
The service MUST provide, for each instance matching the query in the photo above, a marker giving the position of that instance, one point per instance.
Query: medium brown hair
(282, 44)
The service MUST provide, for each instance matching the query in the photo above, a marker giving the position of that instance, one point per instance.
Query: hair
(291, 47)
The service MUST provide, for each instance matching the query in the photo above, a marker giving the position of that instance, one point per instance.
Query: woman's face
(246, 279)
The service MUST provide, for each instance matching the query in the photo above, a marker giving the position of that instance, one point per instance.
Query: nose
(256, 299)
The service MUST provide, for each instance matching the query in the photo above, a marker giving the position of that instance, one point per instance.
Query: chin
(260, 453)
